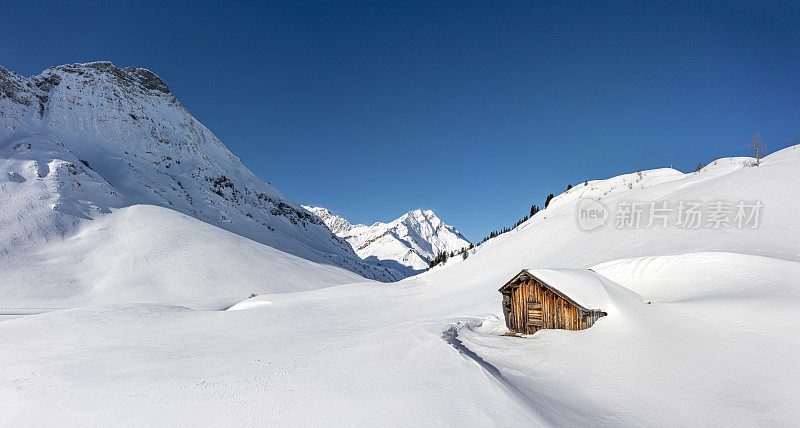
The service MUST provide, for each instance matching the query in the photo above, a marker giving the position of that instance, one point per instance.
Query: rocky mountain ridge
(407, 244)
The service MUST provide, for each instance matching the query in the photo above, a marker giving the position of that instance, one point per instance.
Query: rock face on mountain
(79, 140)
(407, 244)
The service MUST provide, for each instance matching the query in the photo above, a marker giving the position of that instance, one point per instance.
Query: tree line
(442, 257)
(534, 209)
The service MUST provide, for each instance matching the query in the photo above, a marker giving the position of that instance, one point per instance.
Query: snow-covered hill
(79, 141)
(701, 329)
(407, 244)
(150, 254)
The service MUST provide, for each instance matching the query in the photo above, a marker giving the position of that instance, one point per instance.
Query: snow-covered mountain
(407, 244)
(80, 141)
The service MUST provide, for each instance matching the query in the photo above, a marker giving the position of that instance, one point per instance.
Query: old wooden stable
(531, 304)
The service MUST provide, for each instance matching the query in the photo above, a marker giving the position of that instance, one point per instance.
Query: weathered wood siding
(556, 312)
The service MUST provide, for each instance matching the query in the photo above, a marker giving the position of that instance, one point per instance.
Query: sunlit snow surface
(701, 327)
(716, 345)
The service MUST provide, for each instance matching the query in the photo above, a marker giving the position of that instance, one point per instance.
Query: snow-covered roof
(582, 286)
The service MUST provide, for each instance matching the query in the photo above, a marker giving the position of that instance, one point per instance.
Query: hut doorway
(535, 318)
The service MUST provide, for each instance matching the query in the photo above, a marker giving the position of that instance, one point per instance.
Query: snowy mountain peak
(420, 215)
(80, 140)
(142, 78)
(407, 244)
(336, 224)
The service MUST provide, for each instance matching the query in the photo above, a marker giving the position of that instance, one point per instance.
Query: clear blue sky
(473, 109)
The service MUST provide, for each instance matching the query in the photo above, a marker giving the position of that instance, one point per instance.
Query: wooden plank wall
(556, 311)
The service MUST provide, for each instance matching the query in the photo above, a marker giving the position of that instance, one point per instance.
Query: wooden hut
(556, 299)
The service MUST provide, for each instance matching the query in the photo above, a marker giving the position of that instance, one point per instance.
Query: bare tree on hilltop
(758, 148)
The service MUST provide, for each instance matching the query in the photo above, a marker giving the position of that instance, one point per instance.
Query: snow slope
(716, 344)
(407, 244)
(150, 254)
(80, 140)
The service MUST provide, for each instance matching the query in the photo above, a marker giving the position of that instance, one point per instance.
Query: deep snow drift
(407, 244)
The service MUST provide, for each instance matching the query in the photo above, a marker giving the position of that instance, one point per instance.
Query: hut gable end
(531, 303)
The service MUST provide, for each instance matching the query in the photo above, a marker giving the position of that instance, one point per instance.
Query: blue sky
(473, 109)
